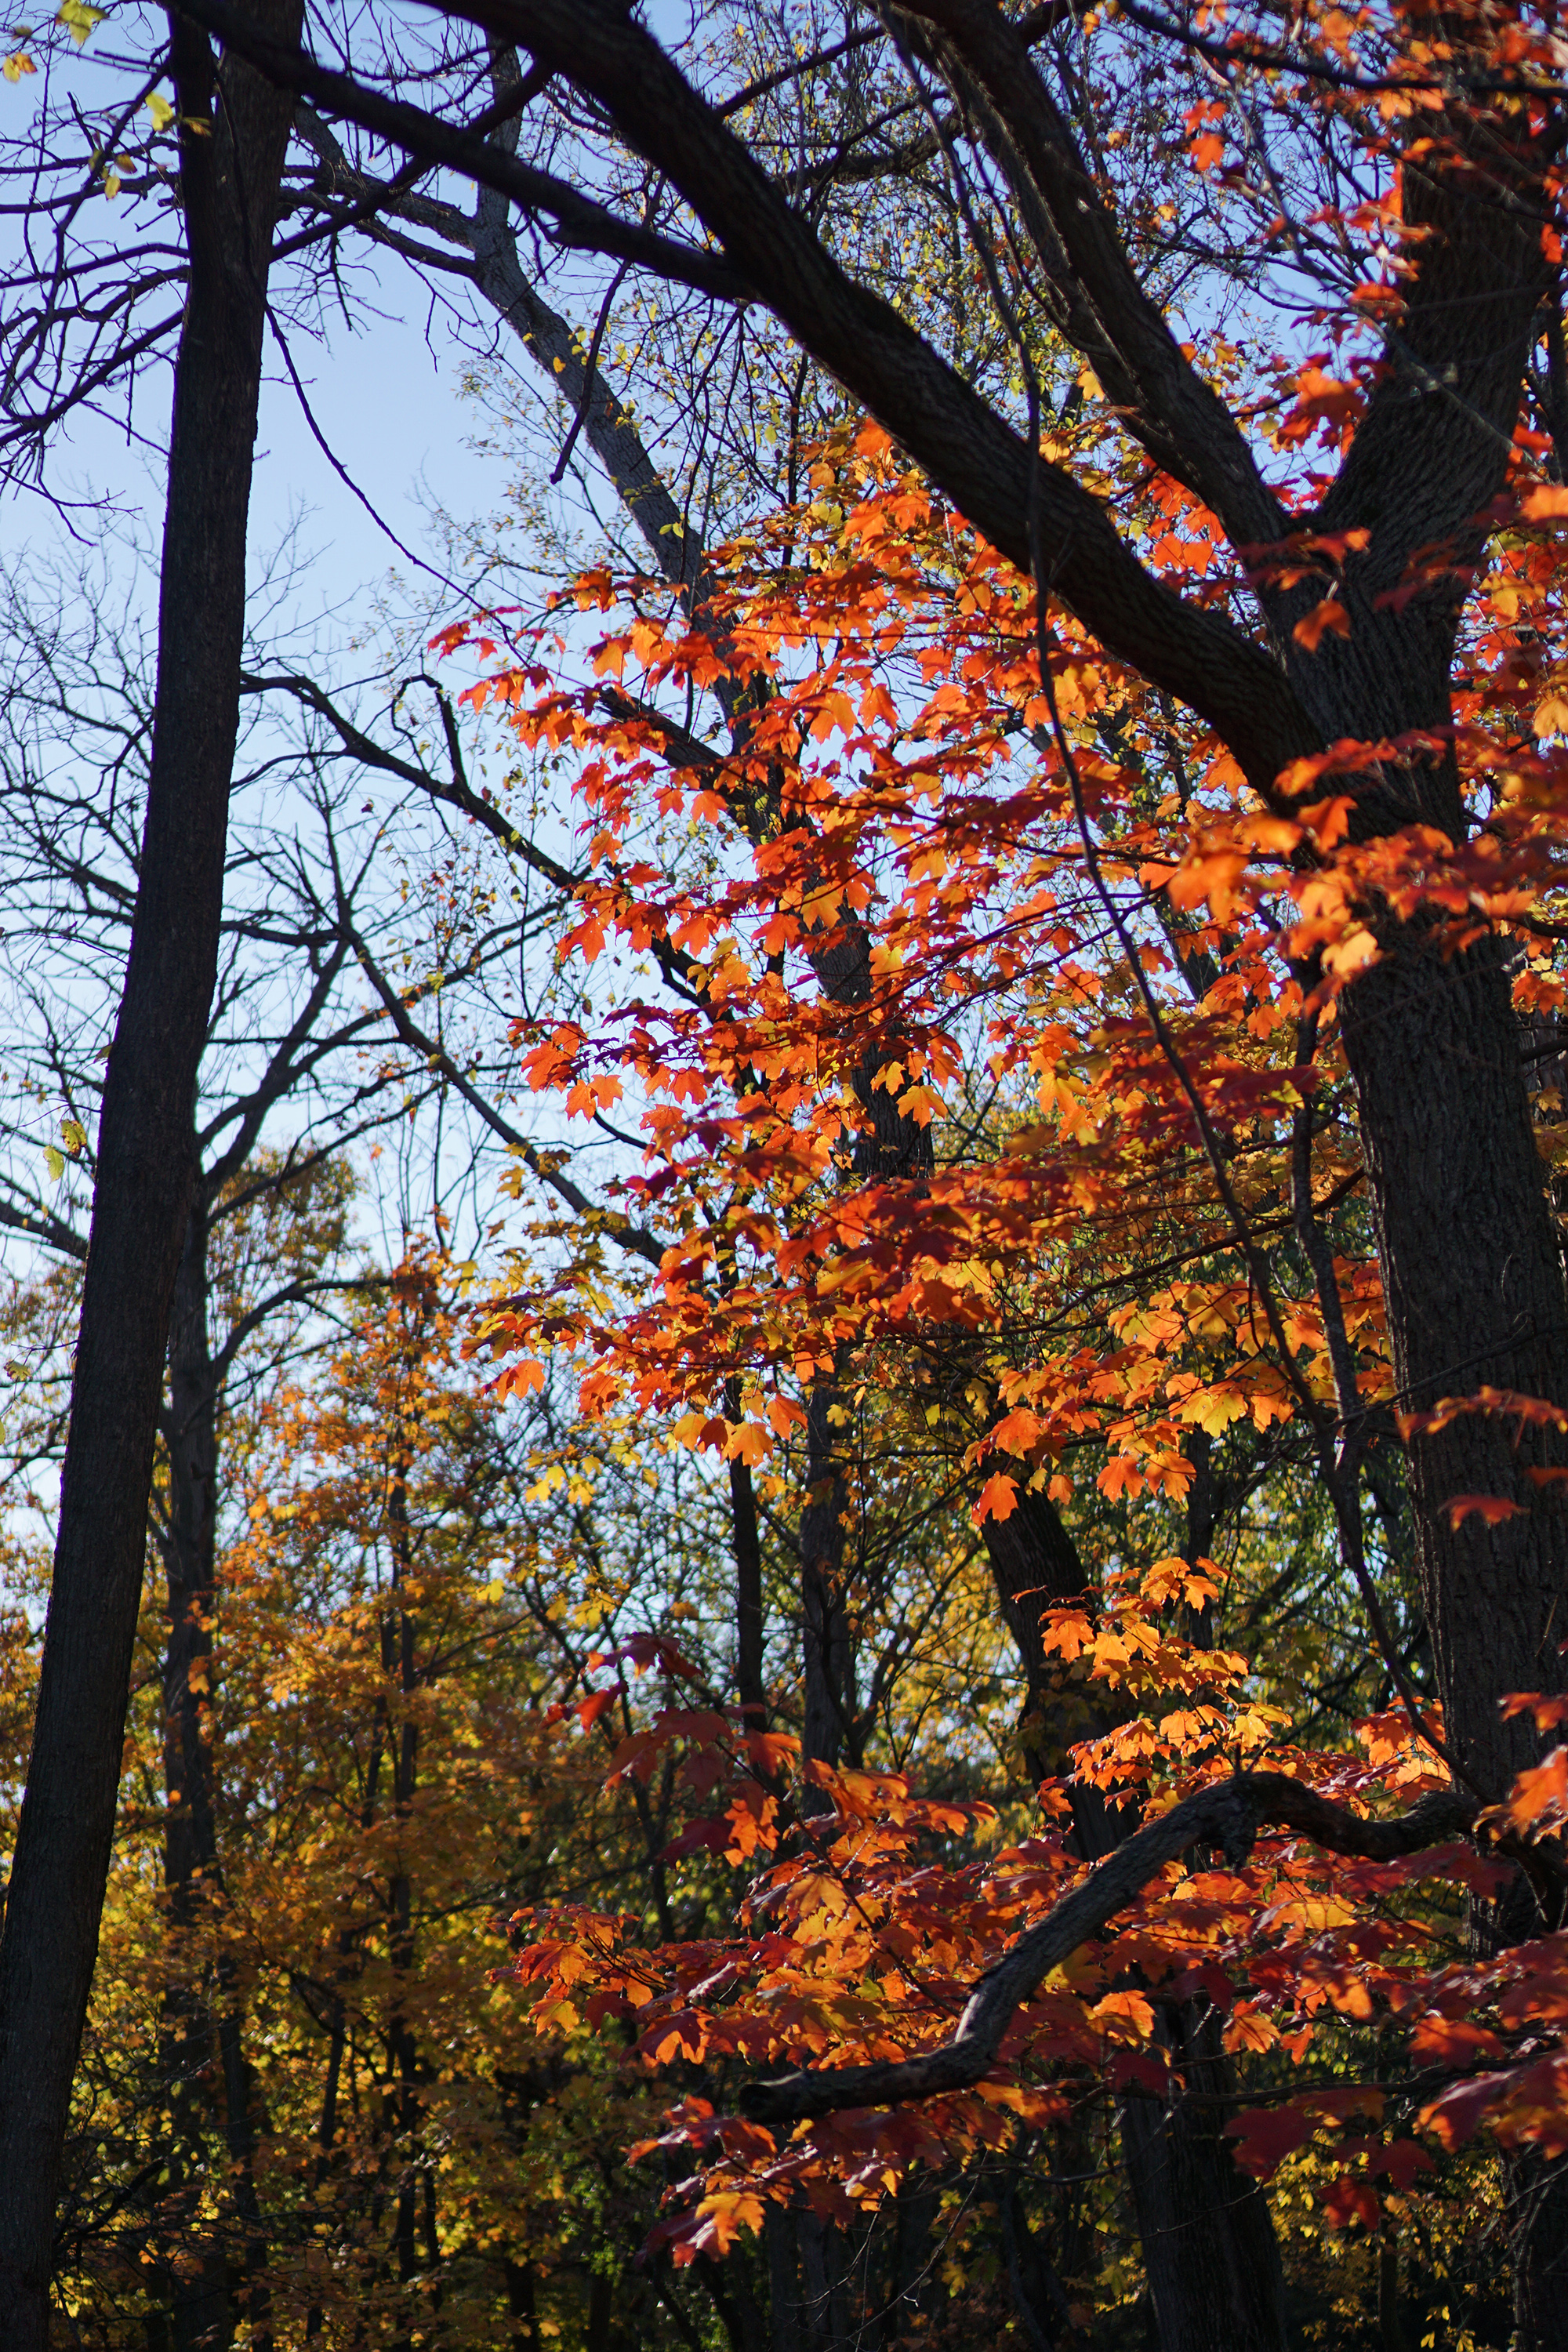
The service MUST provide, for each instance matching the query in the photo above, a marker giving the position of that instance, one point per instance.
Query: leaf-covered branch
(1228, 1815)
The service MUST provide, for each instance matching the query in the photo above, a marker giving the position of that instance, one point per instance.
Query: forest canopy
(786, 1359)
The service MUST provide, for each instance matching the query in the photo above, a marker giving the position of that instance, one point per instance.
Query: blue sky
(394, 417)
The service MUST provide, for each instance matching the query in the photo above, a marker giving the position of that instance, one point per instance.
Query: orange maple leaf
(997, 1499)
(1492, 1508)
(1331, 614)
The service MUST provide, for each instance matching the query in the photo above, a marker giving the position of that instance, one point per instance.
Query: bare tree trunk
(1535, 2192)
(200, 2030)
(230, 168)
(520, 2303)
(202, 2317)
(1473, 1281)
(828, 2327)
(751, 1625)
(1209, 2247)
(783, 2279)
(327, 2130)
(397, 1659)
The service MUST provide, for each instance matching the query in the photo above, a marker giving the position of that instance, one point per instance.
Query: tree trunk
(1535, 2192)
(326, 2135)
(826, 1657)
(750, 1626)
(399, 1666)
(1212, 2264)
(1473, 1278)
(230, 172)
(828, 2327)
(783, 2279)
(202, 2317)
(520, 2303)
(200, 2029)
(1210, 2249)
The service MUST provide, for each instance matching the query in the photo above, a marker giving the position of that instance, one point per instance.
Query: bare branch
(618, 1228)
(1100, 306)
(581, 223)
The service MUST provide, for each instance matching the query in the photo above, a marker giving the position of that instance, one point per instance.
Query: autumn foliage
(1061, 1299)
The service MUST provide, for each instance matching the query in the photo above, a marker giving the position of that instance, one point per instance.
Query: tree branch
(1100, 306)
(968, 450)
(619, 1228)
(581, 221)
(1228, 1815)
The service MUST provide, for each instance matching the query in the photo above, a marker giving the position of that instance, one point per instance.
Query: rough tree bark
(399, 1666)
(201, 2318)
(203, 2020)
(230, 172)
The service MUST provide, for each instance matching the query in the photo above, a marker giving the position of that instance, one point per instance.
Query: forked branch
(1228, 1814)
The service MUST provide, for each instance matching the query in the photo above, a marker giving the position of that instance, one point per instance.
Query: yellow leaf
(1315, 1914)
(78, 18)
(1125, 2016)
(728, 2212)
(1214, 1408)
(162, 112)
(1352, 953)
(1249, 2029)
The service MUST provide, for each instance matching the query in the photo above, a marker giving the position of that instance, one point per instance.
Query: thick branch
(1435, 446)
(41, 1226)
(609, 431)
(1099, 303)
(1228, 1815)
(581, 223)
(969, 451)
